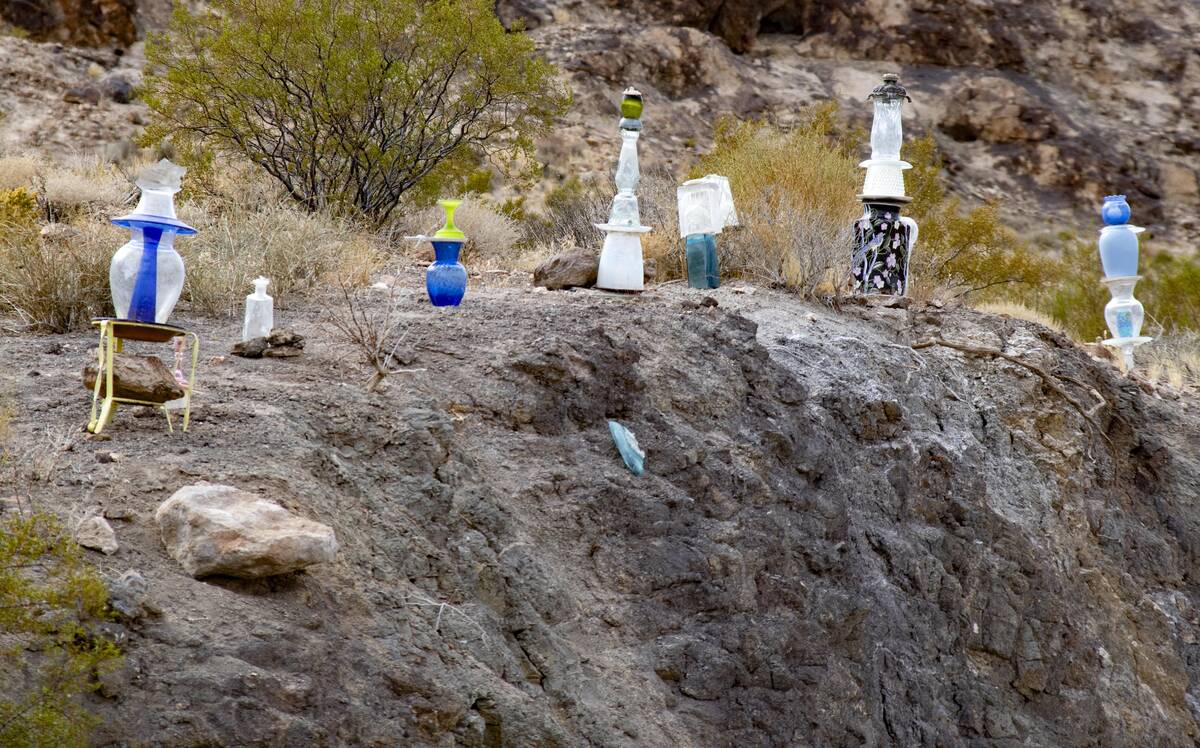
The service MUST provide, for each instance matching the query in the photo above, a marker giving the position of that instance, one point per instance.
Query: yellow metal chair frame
(113, 334)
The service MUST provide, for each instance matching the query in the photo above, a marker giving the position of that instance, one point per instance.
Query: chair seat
(148, 332)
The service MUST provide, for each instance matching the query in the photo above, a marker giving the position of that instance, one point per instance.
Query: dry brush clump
(794, 190)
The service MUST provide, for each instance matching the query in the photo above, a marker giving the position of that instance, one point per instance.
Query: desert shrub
(1017, 310)
(295, 249)
(1173, 359)
(49, 657)
(352, 105)
(795, 194)
(1168, 290)
(965, 252)
(18, 208)
(1171, 291)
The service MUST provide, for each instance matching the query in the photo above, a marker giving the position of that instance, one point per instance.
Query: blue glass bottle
(702, 268)
(446, 278)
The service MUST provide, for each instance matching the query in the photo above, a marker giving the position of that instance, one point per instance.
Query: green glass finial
(449, 231)
(631, 105)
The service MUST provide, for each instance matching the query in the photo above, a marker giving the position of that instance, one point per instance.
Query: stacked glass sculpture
(621, 267)
(705, 209)
(883, 239)
(1119, 258)
(146, 274)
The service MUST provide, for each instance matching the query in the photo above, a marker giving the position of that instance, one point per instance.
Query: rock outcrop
(213, 529)
(838, 539)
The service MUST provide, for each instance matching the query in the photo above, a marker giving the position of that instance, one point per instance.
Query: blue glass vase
(1115, 210)
(446, 278)
(702, 269)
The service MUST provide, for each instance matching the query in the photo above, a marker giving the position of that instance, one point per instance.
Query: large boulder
(137, 378)
(575, 268)
(214, 529)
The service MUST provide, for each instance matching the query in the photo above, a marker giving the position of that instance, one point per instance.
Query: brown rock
(252, 348)
(138, 378)
(82, 95)
(571, 269)
(283, 336)
(284, 351)
(90, 23)
(996, 110)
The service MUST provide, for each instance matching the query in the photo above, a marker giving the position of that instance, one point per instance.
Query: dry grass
(1173, 360)
(298, 251)
(494, 240)
(1016, 310)
(20, 171)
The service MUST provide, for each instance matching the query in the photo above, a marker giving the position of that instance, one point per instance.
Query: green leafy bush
(353, 105)
(48, 655)
(965, 252)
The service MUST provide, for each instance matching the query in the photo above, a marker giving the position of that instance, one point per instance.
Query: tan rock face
(137, 378)
(213, 529)
(89, 23)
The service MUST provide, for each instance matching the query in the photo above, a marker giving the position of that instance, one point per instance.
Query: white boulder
(214, 529)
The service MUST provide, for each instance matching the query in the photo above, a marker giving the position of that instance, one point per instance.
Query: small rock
(214, 529)
(118, 88)
(120, 513)
(95, 533)
(82, 95)
(575, 268)
(283, 351)
(282, 337)
(58, 232)
(252, 348)
(94, 70)
(138, 378)
(129, 596)
(649, 270)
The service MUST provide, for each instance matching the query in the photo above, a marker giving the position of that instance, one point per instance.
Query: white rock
(95, 533)
(215, 529)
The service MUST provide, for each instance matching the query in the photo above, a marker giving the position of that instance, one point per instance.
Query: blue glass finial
(1115, 210)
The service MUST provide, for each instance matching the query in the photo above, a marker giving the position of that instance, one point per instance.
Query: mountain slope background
(1044, 107)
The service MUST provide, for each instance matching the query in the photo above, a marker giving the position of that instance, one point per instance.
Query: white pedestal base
(621, 266)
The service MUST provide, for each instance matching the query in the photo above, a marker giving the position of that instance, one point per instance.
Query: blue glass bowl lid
(145, 221)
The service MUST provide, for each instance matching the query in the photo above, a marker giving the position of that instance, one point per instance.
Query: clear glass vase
(146, 275)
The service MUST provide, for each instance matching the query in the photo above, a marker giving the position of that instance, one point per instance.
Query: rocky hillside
(1044, 106)
(839, 540)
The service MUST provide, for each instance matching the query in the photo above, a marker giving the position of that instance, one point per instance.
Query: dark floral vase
(446, 278)
(881, 244)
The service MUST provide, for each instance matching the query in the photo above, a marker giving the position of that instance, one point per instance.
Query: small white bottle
(260, 312)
